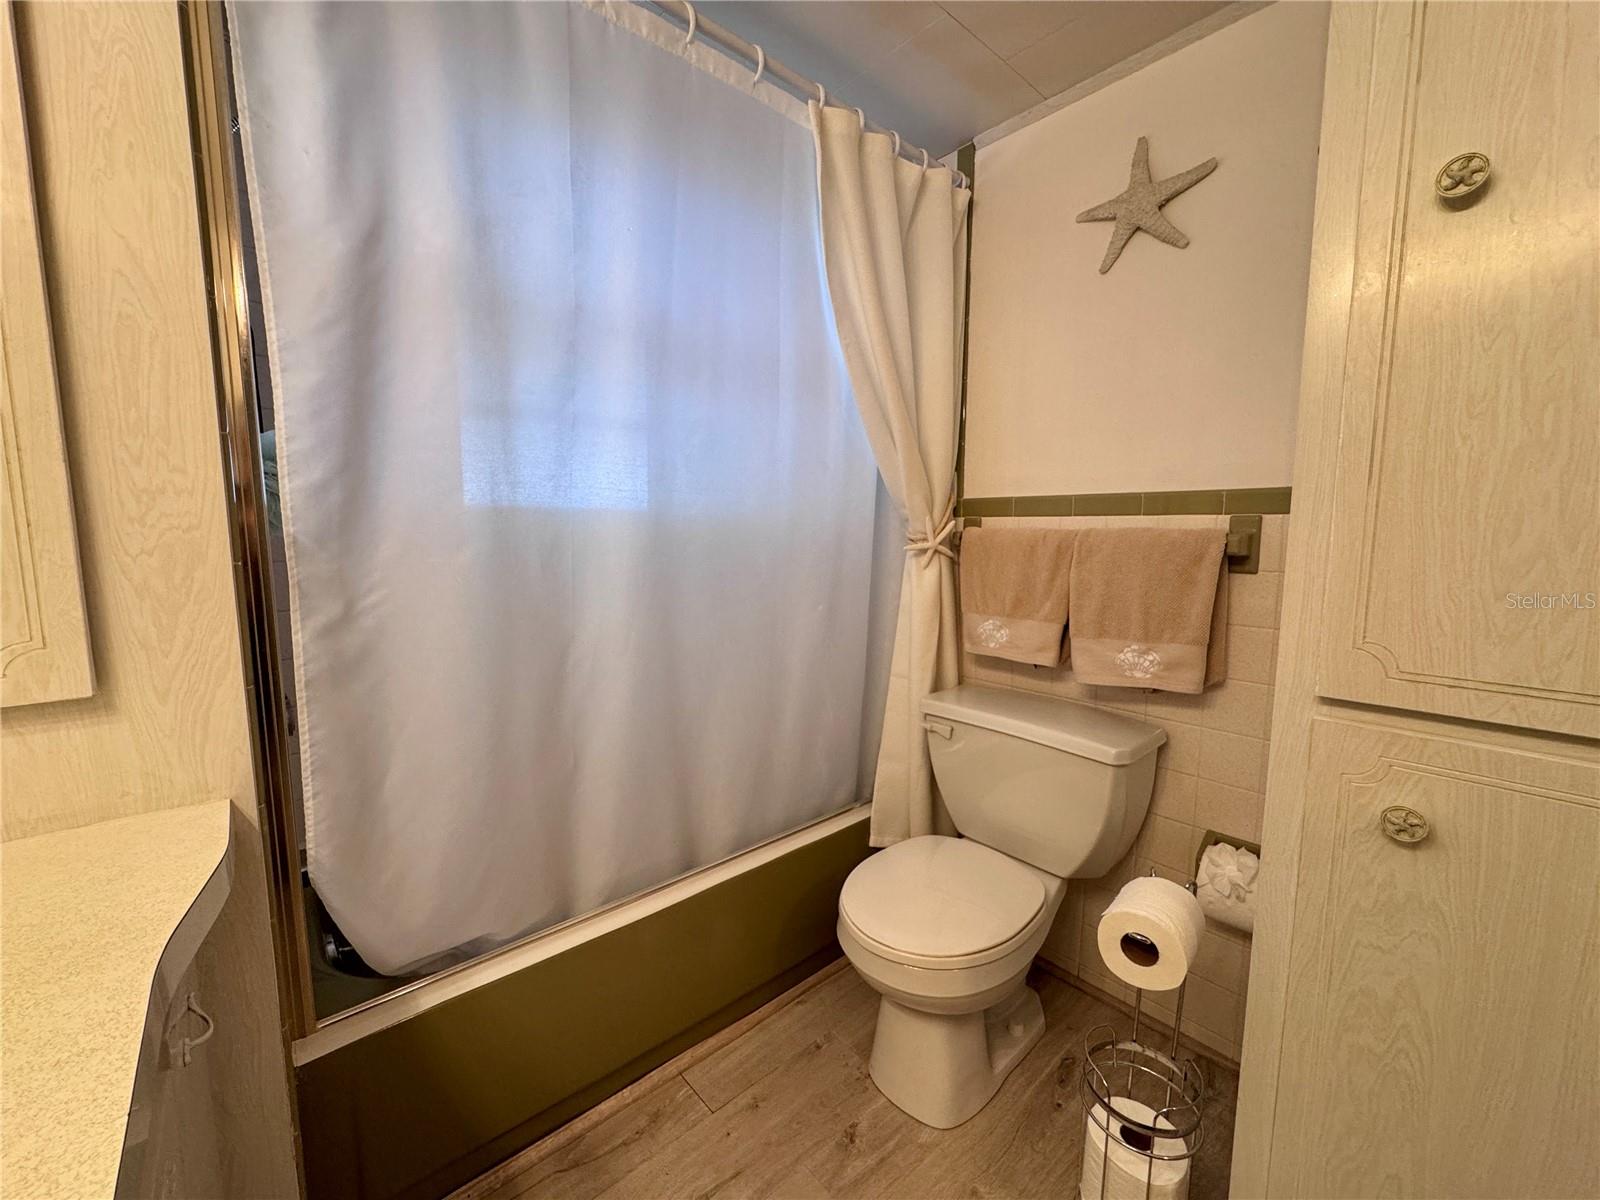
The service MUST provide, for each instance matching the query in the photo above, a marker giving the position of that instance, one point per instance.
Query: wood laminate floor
(786, 1110)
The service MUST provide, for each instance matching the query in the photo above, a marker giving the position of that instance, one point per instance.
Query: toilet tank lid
(1081, 729)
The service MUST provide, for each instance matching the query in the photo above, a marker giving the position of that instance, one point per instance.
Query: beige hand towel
(1014, 593)
(1150, 608)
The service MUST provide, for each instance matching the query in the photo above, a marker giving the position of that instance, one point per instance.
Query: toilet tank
(1060, 785)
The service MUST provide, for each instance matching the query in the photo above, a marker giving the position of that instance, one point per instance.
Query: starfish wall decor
(1140, 206)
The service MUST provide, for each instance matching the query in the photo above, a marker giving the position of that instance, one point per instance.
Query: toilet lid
(941, 897)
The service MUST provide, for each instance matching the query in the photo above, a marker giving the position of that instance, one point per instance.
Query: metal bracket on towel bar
(1244, 544)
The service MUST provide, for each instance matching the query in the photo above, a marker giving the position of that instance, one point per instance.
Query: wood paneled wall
(103, 89)
(108, 126)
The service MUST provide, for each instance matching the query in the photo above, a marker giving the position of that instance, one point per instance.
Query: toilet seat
(942, 903)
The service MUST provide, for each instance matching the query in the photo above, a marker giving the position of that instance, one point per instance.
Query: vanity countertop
(85, 917)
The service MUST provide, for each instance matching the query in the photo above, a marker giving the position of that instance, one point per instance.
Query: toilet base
(941, 1068)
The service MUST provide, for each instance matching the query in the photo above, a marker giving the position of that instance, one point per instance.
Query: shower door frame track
(212, 119)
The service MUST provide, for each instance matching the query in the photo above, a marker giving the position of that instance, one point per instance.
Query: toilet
(944, 928)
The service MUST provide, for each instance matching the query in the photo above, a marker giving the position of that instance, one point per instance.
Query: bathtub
(423, 1089)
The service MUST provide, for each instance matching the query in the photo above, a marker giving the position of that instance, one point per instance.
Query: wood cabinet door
(1442, 1028)
(44, 636)
(1466, 532)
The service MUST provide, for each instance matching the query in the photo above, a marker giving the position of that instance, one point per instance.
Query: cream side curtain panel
(895, 247)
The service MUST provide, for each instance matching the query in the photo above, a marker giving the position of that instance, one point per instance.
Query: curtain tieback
(935, 540)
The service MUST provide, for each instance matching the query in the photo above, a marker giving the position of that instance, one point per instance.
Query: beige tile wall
(1210, 775)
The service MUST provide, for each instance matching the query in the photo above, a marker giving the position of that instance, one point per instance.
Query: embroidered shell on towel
(1138, 662)
(994, 632)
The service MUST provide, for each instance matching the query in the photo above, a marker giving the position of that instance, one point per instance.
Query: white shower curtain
(896, 249)
(586, 539)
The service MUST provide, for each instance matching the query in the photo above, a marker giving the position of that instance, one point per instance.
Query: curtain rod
(682, 14)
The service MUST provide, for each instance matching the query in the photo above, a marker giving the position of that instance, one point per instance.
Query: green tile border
(1108, 504)
(981, 506)
(1209, 502)
(1182, 503)
(1257, 500)
(1041, 506)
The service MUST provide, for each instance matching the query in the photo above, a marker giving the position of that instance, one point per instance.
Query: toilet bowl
(945, 928)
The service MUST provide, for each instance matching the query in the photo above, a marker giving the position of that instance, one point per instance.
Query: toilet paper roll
(1150, 934)
(1130, 1171)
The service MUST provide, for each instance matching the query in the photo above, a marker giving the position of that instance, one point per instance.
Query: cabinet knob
(1462, 175)
(1405, 825)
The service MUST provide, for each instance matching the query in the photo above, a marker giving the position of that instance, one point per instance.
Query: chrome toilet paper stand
(1126, 1069)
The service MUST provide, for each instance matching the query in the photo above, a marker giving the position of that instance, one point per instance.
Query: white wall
(1179, 369)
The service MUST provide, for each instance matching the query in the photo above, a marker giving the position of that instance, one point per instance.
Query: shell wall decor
(1139, 207)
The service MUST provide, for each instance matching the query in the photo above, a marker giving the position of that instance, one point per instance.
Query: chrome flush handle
(1404, 825)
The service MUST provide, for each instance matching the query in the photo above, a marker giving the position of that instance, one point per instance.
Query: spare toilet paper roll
(1226, 887)
(1167, 1177)
(1149, 935)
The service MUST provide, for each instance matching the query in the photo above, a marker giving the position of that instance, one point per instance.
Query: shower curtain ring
(761, 66)
(694, 24)
(896, 142)
(861, 117)
(822, 96)
(924, 162)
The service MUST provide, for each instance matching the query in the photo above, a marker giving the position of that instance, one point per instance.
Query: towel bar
(1243, 549)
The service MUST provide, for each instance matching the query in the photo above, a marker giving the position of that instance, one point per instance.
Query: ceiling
(942, 73)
